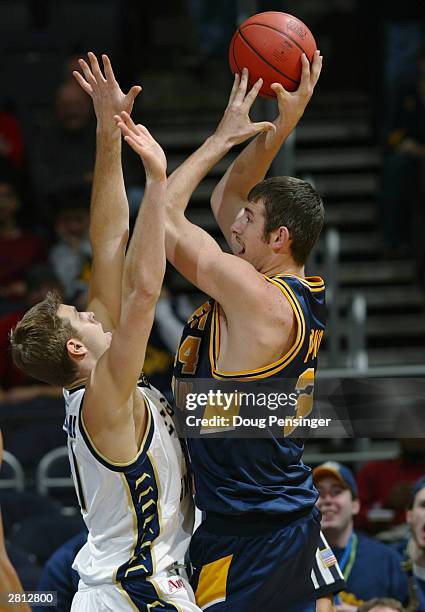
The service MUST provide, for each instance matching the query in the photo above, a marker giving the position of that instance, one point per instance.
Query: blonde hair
(39, 343)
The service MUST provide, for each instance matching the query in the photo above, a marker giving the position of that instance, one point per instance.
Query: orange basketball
(270, 45)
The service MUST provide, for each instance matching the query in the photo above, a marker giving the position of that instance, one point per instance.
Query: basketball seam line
(264, 93)
(279, 32)
(266, 61)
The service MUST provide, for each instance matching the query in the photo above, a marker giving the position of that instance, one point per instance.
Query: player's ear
(76, 348)
(281, 240)
(356, 506)
(409, 517)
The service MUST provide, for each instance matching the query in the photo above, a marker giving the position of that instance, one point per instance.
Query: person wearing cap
(370, 568)
(413, 550)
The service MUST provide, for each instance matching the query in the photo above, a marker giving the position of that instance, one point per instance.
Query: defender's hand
(293, 104)
(143, 143)
(108, 99)
(236, 126)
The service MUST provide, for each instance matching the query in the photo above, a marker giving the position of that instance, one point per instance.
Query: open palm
(103, 88)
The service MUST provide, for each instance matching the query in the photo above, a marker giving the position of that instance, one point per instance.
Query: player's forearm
(10, 583)
(183, 182)
(145, 260)
(109, 217)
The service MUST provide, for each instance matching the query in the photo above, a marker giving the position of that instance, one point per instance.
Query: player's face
(247, 233)
(416, 519)
(336, 504)
(89, 330)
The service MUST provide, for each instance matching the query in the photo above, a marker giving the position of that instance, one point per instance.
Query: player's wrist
(220, 141)
(107, 129)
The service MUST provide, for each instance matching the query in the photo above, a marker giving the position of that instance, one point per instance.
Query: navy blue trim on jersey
(75, 389)
(143, 494)
(142, 593)
(118, 466)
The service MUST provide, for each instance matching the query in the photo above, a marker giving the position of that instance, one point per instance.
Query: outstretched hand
(292, 104)
(143, 143)
(108, 98)
(236, 126)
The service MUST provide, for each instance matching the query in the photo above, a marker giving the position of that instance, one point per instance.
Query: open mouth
(240, 249)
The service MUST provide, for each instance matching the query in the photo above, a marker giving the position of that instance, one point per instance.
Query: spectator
(413, 550)
(63, 154)
(403, 188)
(11, 144)
(381, 604)
(16, 386)
(71, 255)
(19, 249)
(387, 485)
(370, 568)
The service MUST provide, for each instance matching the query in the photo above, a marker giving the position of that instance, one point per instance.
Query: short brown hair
(39, 341)
(382, 602)
(294, 204)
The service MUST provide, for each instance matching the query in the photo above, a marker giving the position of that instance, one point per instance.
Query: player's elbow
(146, 293)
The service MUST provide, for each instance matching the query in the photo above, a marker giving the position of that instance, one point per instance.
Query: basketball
(270, 45)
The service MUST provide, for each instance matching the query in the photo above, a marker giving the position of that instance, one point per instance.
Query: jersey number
(188, 354)
(78, 482)
(304, 387)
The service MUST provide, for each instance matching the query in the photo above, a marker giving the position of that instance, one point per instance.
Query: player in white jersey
(126, 465)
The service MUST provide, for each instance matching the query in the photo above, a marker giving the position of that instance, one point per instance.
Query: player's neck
(284, 266)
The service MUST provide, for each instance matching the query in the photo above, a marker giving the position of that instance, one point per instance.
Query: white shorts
(169, 589)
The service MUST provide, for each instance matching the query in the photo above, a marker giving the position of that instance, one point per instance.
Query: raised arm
(113, 419)
(252, 164)
(109, 220)
(144, 270)
(189, 248)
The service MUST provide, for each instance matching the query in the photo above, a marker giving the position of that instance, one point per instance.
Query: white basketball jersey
(139, 515)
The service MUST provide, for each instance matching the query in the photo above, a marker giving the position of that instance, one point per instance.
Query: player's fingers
(124, 129)
(253, 93)
(143, 130)
(264, 126)
(316, 68)
(234, 88)
(128, 121)
(136, 146)
(243, 84)
(95, 68)
(87, 72)
(133, 93)
(305, 74)
(107, 68)
(82, 82)
(279, 90)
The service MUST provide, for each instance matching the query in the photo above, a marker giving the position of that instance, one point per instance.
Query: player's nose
(236, 227)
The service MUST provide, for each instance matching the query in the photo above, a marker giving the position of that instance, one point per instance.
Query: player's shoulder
(305, 285)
